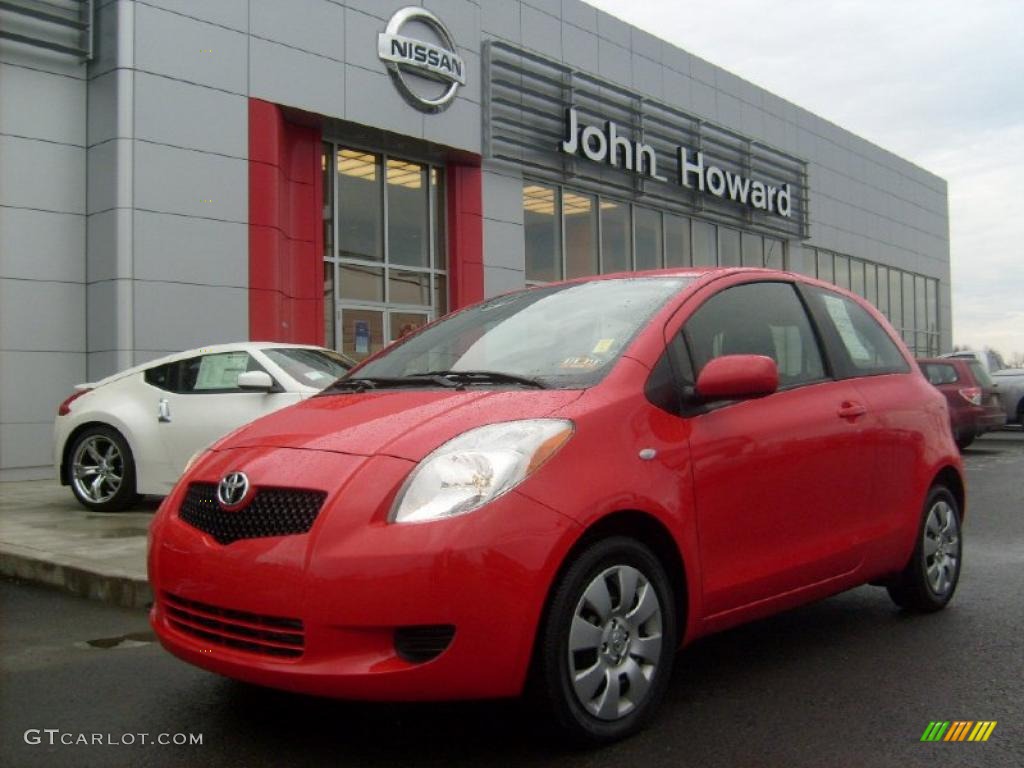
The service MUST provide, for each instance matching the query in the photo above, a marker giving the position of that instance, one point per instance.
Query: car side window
(163, 376)
(869, 349)
(939, 373)
(758, 319)
(208, 374)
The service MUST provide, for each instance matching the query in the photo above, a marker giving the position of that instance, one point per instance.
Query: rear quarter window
(939, 373)
(980, 374)
(863, 342)
(163, 376)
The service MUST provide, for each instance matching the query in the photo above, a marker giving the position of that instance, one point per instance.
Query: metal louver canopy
(527, 95)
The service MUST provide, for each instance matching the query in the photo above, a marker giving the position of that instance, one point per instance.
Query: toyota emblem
(233, 489)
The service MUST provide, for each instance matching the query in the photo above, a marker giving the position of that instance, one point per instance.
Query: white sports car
(133, 433)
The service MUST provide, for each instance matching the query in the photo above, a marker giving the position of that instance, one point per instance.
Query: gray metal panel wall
(42, 246)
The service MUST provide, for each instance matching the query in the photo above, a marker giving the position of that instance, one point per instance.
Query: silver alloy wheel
(941, 548)
(615, 642)
(97, 469)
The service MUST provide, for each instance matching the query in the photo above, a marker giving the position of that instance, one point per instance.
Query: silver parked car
(1010, 382)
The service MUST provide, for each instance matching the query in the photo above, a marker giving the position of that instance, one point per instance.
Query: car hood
(406, 424)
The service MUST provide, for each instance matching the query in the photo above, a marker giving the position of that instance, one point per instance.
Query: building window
(573, 234)
(705, 244)
(385, 260)
(542, 223)
(728, 247)
(753, 250)
(615, 237)
(677, 241)
(648, 228)
(580, 217)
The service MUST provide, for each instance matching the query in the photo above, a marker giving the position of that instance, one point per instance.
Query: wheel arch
(65, 453)
(648, 530)
(951, 478)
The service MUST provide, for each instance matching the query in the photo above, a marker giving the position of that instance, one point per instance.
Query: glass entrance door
(385, 259)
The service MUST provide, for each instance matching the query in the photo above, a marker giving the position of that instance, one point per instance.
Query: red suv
(556, 488)
(974, 405)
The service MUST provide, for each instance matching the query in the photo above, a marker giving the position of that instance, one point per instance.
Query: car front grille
(271, 512)
(251, 632)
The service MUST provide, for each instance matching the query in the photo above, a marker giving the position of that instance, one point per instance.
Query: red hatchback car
(555, 489)
(973, 399)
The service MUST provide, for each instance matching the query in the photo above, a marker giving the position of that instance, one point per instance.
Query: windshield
(565, 336)
(312, 367)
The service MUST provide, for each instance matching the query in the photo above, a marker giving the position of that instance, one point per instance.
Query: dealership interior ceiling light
(538, 199)
(364, 165)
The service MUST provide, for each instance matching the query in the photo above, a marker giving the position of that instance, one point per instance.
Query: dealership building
(175, 174)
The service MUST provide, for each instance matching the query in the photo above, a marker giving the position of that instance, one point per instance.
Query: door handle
(851, 410)
(163, 411)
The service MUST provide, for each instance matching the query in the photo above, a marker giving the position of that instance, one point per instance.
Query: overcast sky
(938, 82)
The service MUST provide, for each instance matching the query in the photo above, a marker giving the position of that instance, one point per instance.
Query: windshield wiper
(361, 384)
(487, 377)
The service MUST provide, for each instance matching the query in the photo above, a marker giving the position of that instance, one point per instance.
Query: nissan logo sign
(406, 56)
(233, 489)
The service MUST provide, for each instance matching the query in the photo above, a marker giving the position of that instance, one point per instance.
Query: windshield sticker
(583, 363)
(602, 346)
(316, 375)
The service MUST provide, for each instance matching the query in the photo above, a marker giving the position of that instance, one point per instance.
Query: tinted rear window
(939, 373)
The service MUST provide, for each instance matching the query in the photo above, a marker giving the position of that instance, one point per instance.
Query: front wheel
(606, 647)
(102, 470)
(928, 582)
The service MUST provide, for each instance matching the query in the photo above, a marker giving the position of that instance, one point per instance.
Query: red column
(465, 234)
(285, 228)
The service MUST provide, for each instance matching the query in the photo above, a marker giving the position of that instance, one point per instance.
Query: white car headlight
(477, 467)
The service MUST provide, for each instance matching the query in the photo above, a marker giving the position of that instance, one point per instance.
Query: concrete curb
(116, 589)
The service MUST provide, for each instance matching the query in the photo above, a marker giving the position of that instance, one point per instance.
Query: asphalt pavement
(850, 681)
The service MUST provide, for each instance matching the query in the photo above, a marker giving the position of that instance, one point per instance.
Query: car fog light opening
(423, 643)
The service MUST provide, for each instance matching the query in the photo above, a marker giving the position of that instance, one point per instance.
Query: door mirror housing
(736, 377)
(255, 381)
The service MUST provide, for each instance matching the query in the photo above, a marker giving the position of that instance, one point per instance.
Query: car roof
(702, 275)
(237, 346)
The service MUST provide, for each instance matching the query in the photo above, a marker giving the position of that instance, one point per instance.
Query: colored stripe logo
(958, 730)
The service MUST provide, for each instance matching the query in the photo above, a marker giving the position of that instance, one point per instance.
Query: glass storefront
(574, 234)
(385, 260)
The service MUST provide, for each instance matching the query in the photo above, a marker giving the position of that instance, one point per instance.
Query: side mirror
(734, 377)
(256, 381)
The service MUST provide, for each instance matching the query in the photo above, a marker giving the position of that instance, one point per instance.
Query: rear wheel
(928, 582)
(101, 470)
(606, 647)
(963, 441)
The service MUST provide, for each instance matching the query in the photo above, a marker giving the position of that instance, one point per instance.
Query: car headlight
(477, 467)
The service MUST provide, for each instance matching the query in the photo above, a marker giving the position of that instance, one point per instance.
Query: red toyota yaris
(560, 487)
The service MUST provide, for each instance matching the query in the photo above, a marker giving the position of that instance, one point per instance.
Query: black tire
(963, 441)
(610, 560)
(913, 589)
(1020, 413)
(120, 465)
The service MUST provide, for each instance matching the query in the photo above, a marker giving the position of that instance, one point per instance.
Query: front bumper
(354, 579)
